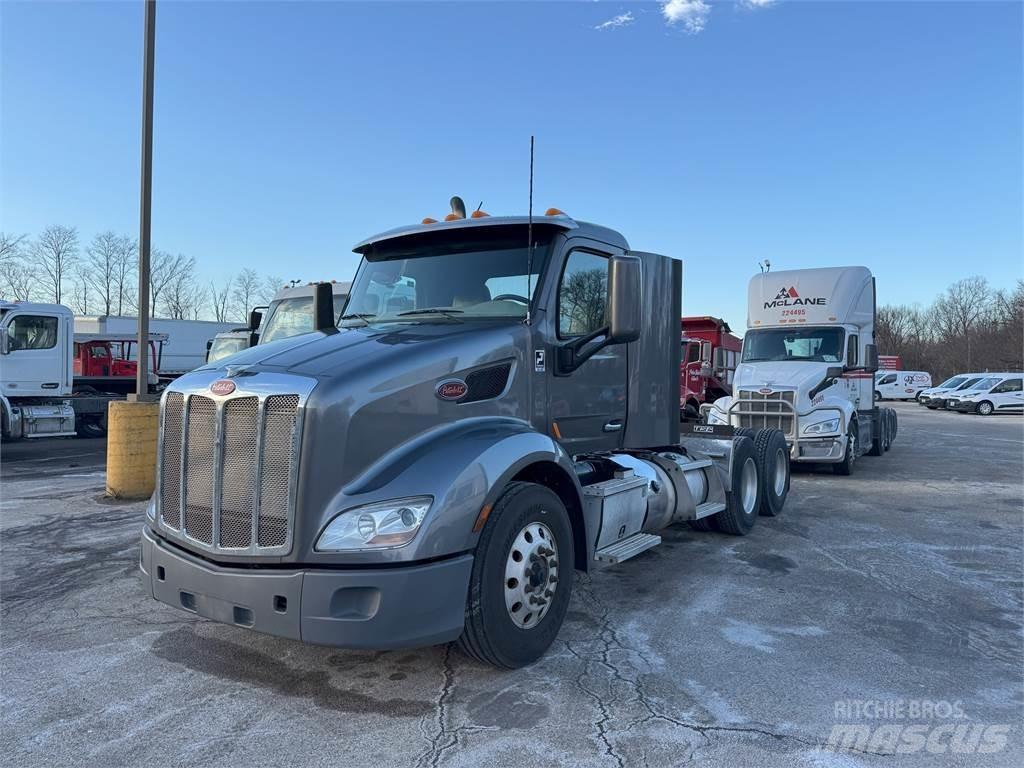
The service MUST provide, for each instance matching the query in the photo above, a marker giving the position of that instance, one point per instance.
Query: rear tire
(878, 445)
(90, 428)
(773, 468)
(878, 395)
(744, 497)
(491, 634)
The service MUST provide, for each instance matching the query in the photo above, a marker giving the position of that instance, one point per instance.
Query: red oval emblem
(765, 390)
(452, 389)
(222, 387)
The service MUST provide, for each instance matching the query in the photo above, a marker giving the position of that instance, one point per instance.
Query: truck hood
(796, 375)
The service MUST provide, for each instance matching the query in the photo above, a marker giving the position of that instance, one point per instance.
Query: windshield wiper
(446, 311)
(358, 316)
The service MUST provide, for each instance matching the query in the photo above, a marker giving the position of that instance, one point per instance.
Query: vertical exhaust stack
(323, 308)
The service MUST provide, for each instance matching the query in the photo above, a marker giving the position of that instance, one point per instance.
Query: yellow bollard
(131, 449)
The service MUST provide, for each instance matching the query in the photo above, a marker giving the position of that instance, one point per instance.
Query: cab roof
(558, 222)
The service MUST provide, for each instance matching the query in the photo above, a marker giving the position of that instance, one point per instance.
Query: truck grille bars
(228, 470)
(763, 411)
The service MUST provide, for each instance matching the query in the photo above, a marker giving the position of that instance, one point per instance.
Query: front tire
(522, 578)
(985, 408)
(845, 467)
(744, 498)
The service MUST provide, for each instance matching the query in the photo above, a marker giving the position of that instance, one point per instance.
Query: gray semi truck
(497, 409)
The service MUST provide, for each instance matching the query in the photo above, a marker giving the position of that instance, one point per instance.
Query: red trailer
(710, 354)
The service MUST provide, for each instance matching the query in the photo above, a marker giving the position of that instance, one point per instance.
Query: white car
(1000, 392)
(901, 385)
(935, 397)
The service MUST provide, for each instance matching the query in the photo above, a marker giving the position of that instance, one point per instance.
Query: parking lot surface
(901, 583)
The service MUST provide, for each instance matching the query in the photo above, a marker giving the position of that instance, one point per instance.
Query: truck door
(587, 408)
(35, 363)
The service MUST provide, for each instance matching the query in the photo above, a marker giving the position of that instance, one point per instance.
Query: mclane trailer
(440, 470)
(808, 366)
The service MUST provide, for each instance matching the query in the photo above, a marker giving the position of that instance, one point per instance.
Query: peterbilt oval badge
(452, 389)
(765, 390)
(222, 387)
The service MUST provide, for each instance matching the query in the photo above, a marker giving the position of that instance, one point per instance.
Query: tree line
(101, 277)
(970, 327)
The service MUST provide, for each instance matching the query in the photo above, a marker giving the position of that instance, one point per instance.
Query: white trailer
(185, 349)
(808, 366)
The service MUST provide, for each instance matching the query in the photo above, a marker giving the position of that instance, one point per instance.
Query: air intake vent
(486, 383)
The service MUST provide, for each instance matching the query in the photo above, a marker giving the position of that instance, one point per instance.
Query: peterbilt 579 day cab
(808, 366)
(488, 418)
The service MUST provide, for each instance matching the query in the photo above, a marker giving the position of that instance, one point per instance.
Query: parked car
(935, 397)
(1000, 392)
(901, 385)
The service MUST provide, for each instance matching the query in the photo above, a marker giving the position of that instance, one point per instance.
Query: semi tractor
(53, 382)
(710, 355)
(497, 410)
(808, 364)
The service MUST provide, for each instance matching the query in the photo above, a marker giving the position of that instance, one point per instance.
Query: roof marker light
(453, 217)
(554, 212)
(478, 214)
(429, 220)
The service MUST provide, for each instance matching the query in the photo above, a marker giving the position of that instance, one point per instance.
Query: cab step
(631, 546)
(709, 508)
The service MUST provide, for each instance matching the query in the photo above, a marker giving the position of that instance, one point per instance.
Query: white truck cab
(808, 366)
(901, 385)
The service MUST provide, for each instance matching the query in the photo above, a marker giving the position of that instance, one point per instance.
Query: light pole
(145, 201)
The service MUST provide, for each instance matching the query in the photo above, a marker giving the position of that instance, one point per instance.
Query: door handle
(613, 426)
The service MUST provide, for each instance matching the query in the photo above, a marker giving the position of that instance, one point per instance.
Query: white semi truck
(808, 366)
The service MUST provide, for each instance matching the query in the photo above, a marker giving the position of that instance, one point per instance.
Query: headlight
(384, 525)
(822, 427)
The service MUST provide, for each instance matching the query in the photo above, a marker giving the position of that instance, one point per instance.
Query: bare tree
(55, 253)
(10, 247)
(80, 290)
(126, 273)
(220, 298)
(100, 268)
(18, 280)
(247, 291)
(165, 269)
(271, 285)
(959, 311)
(182, 297)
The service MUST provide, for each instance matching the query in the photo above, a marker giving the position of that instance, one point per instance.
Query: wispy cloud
(616, 22)
(691, 14)
(758, 3)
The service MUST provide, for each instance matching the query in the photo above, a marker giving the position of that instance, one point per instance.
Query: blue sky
(808, 133)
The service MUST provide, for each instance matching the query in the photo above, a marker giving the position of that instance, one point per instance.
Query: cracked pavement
(902, 582)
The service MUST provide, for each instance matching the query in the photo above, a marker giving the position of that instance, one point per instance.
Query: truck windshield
(823, 345)
(447, 283)
(226, 347)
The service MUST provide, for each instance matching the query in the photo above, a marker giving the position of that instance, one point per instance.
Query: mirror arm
(576, 352)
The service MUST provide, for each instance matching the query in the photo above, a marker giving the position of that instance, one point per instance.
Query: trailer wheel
(984, 408)
(773, 466)
(845, 467)
(744, 490)
(522, 578)
(90, 428)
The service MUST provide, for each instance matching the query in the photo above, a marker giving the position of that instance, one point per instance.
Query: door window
(583, 294)
(32, 332)
(888, 379)
(1010, 385)
(851, 351)
(692, 353)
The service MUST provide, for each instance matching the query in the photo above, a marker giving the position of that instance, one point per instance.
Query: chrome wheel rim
(531, 575)
(748, 486)
(984, 409)
(780, 472)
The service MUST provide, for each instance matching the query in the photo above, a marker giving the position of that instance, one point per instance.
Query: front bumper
(964, 406)
(381, 608)
(825, 450)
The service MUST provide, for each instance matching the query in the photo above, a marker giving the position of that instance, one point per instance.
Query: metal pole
(145, 201)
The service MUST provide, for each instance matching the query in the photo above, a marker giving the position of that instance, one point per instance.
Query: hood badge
(451, 389)
(222, 387)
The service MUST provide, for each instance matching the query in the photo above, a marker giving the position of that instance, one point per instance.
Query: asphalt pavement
(887, 604)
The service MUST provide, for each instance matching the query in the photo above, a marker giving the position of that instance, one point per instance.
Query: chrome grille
(228, 469)
(763, 411)
(277, 457)
(170, 458)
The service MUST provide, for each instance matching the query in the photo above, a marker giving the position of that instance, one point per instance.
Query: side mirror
(870, 358)
(323, 307)
(4, 343)
(705, 352)
(705, 369)
(255, 317)
(833, 372)
(624, 299)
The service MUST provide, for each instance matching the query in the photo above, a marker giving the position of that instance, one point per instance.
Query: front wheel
(522, 578)
(845, 467)
(985, 408)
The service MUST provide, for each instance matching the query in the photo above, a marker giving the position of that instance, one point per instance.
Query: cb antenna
(529, 242)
